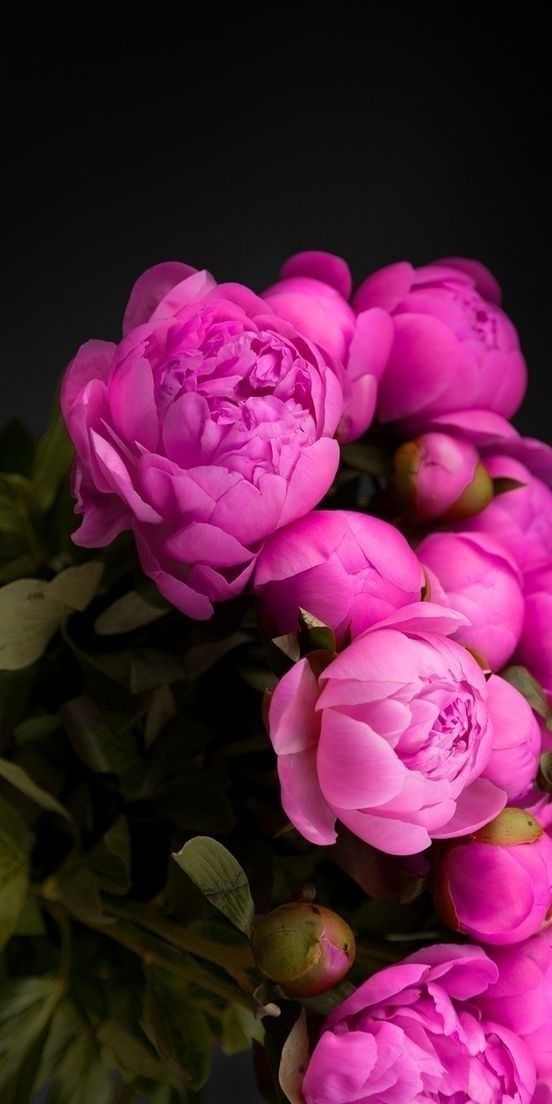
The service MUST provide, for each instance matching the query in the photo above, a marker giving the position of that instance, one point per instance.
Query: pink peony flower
(454, 349)
(414, 1033)
(497, 886)
(514, 759)
(521, 519)
(391, 738)
(522, 996)
(206, 429)
(349, 570)
(441, 476)
(474, 574)
(535, 646)
(312, 294)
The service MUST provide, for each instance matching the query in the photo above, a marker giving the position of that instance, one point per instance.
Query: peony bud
(440, 476)
(303, 947)
(496, 886)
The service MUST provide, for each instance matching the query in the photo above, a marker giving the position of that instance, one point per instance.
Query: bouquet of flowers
(275, 717)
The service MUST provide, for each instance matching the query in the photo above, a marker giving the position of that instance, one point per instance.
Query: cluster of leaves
(125, 731)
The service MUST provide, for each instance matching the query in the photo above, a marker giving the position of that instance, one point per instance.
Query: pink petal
(92, 362)
(486, 284)
(340, 1068)
(207, 544)
(394, 837)
(117, 475)
(177, 592)
(385, 288)
(311, 479)
(356, 767)
(293, 722)
(181, 295)
(479, 803)
(132, 403)
(150, 288)
(302, 798)
(326, 267)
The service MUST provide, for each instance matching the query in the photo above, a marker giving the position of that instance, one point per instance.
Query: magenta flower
(474, 574)
(521, 519)
(413, 1033)
(522, 996)
(441, 476)
(206, 429)
(514, 759)
(497, 886)
(349, 570)
(535, 646)
(391, 738)
(312, 294)
(454, 349)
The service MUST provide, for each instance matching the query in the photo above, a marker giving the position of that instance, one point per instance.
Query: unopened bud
(305, 948)
(438, 476)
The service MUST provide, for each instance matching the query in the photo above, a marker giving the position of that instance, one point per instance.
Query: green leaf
(132, 1056)
(151, 668)
(76, 586)
(201, 657)
(26, 1006)
(110, 859)
(126, 614)
(161, 710)
(32, 610)
(51, 463)
(220, 878)
(294, 1059)
(177, 1027)
(15, 774)
(545, 772)
(35, 728)
(76, 886)
(30, 922)
(503, 483)
(73, 1064)
(15, 848)
(239, 1028)
(369, 459)
(103, 749)
(531, 690)
(317, 634)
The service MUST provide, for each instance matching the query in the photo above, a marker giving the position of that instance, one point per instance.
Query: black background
(230, 141)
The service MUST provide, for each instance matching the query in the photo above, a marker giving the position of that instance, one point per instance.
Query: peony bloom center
(245, 395)
(443, 749)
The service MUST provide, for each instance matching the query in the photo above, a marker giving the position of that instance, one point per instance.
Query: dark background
(230, 142)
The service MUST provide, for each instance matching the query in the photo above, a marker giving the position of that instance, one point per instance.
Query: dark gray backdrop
(230, 142)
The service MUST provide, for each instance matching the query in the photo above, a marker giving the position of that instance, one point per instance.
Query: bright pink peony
(474, 574)
(349, 570)
(437, 475)
(535, 646)
(312, 294)
(413, 1034)
(391, 738)
(514, 760)
(496, 886)
(454, 349)
(521, 519)
(206, 429)
(522, 996)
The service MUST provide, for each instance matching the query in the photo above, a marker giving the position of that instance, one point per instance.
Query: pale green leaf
(220, 878)
(19, 778)
(177, 1027)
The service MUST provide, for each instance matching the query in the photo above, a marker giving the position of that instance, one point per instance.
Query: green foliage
(128, 735)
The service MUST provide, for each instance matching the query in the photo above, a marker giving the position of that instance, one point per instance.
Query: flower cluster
(212, 432)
